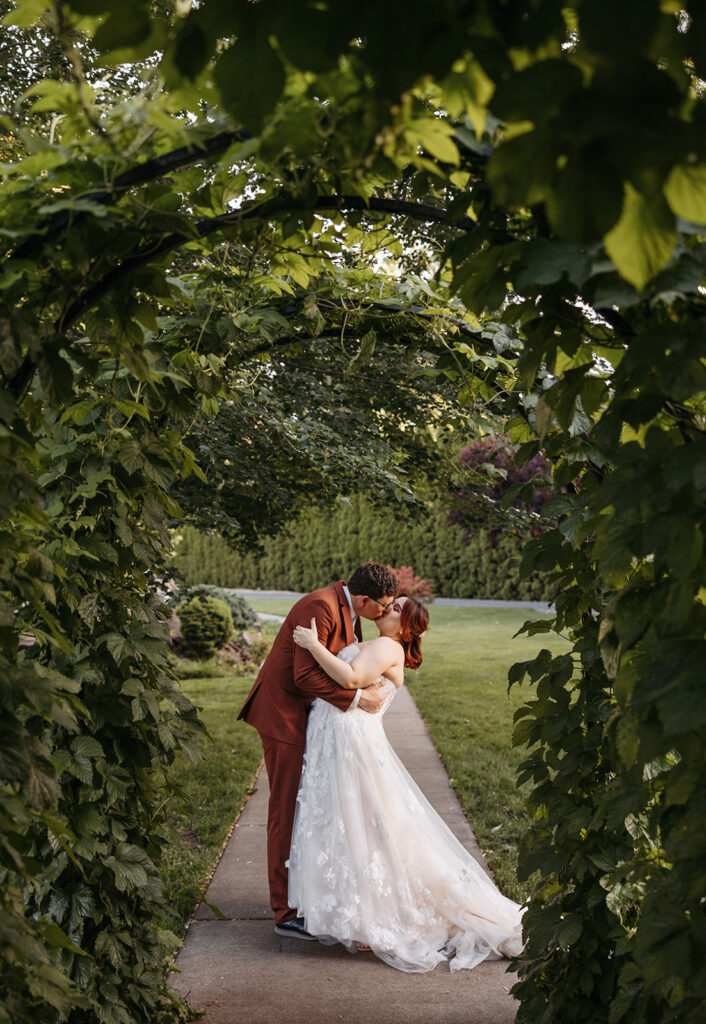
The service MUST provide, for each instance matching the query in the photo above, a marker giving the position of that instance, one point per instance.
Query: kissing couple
(356, 854)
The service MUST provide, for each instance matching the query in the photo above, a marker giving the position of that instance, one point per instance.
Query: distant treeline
(323, 546)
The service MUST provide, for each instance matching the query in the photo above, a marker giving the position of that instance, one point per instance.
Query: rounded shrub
(243, 615)
(206, 625)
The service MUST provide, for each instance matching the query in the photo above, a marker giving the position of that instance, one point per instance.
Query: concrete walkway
(240, 972)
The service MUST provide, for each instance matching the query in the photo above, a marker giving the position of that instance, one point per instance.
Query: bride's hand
(306, 638)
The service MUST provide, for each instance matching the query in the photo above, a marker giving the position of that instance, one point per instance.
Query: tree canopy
(273, 247)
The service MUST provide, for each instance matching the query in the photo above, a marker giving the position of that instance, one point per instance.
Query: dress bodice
(348, 654)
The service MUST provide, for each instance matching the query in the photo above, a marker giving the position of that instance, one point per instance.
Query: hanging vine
(524, 247)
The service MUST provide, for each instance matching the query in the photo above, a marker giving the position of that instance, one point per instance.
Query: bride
(372, 865)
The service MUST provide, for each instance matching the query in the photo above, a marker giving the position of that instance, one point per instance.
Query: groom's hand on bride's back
(371, 699)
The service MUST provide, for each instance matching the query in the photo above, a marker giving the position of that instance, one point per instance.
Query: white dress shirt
(354, 617)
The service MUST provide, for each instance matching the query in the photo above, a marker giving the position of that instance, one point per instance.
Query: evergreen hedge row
(322, 546)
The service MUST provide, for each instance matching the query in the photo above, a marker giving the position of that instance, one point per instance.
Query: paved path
(240, 972)
(462, 602)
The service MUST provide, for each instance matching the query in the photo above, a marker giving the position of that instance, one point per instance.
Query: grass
(461, 691)
(214, 790)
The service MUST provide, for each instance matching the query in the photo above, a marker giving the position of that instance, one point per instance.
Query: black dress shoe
(295, 929)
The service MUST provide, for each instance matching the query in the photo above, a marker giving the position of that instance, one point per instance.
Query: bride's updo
(414, 619)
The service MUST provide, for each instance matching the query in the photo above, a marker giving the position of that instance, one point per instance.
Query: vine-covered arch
(568, 307)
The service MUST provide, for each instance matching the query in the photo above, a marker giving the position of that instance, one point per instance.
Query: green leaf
(435, 136)
(685, 191)
(627, 739)
(89, 488)
(192, 49)
(522, 170)
(132, 456)
(522, 732)
(516, 673)
(610, 647)
(56, 937)
(481, 281)
(108, 945)
(86, 746)
(128, 408)
(127, 26)
(364, 353)
(613, 290)
(531, 94)
(544, 262)
(127, 875)
(250, 78)
(544, 415)
(118, 645)
(681, 277)
(59, 96)
(26, 14)
(569, 930)
(89, 607)
(214, 909)
(643, 240)
(586, 200)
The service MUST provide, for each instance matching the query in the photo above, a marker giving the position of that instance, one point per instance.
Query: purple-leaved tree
(498, 495)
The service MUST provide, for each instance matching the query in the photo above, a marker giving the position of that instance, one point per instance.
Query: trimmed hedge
(324, 546)
(206, 625)
(242, 614)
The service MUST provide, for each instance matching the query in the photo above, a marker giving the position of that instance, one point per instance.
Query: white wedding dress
(372, 862)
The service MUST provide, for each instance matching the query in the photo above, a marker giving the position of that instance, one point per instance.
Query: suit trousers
(284, 767)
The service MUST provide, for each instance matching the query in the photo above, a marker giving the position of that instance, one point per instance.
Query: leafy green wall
(323, 546)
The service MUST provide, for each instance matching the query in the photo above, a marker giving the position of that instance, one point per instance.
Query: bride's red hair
(414, 619)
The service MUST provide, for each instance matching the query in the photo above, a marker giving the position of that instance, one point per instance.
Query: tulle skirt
(372, 862)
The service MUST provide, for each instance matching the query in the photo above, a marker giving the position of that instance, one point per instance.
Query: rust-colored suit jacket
(290, 679)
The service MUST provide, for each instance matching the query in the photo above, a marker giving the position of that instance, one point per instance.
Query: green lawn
(215, 790)
(461, 691)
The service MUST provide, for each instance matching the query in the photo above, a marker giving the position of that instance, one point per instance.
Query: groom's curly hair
(374, 580)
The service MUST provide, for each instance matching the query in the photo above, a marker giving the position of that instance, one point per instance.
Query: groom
(287, 683)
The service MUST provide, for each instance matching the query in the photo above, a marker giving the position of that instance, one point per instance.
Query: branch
(157, 167)
(23, 375)
(384, 307)
(140, 174)
(270, 208)
(419, 311)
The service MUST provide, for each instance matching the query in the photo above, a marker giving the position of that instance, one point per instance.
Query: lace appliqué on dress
(372, 862)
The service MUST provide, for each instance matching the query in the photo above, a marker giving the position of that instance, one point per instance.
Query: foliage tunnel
(251, 261)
